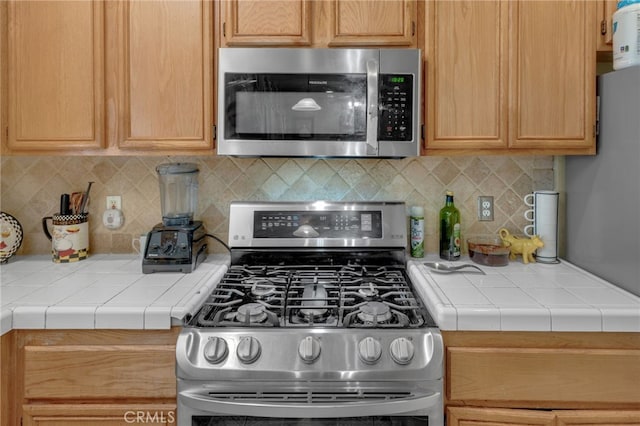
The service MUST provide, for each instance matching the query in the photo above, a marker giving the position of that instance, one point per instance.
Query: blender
(178, 244)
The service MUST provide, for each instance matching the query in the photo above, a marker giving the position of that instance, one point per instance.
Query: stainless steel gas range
(316, 322)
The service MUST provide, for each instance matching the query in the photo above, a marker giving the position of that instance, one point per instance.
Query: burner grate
(356, 296)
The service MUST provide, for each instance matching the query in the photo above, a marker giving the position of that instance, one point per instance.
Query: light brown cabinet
(89, 377)
(458, 416)
(55, 75)
(330, 23)
(97, 414)
(520, 378)
(515, 76)
(606, 8)
(161, 54)
(110, 77)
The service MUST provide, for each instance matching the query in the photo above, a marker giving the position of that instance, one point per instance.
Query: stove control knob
(309, 349)
(248, 350)
(401, 350)
(215, 350)
(370, 350)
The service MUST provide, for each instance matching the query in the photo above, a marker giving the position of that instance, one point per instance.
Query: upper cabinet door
(467, 70)
(269, 23)
(55, 75)
(553, 80)
(367, 23)
(606, 9)
(320, 23)
(164, 64)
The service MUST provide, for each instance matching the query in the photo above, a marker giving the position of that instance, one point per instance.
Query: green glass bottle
(449, 230)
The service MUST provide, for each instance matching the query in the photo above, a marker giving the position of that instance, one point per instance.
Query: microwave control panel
(395, 105)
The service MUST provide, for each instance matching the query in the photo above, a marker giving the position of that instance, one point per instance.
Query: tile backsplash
(31, 188)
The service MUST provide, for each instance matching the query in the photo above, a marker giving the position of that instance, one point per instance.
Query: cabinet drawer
(99, 371)
(549, 376)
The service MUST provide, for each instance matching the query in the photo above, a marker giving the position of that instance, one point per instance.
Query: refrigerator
(602, 222)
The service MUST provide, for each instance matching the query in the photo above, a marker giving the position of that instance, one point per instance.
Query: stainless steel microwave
(289, 102)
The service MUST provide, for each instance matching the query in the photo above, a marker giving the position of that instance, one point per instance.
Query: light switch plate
(485, 208)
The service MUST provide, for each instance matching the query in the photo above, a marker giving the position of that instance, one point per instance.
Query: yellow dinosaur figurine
(523, 246)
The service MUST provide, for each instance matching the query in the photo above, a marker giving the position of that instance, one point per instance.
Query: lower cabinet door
(467, 416)
(477, 416)
(98, 414)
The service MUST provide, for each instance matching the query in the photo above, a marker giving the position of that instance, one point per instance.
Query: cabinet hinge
(215, 132)
(603, 27)
(224, 29)
(413, 28)
(422, 131)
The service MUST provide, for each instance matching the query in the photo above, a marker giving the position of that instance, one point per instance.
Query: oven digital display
(317, 224)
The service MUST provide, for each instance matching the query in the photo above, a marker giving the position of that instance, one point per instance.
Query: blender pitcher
(178, 192)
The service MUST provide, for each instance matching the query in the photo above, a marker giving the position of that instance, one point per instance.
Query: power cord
(219, 240)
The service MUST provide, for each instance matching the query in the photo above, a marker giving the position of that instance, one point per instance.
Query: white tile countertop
(519, 297)
(109, 291)
(103, 291)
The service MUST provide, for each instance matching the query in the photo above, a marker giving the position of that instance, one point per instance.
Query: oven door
(325, 404)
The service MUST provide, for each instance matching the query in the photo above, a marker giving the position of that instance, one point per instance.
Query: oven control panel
(317, 224)
(317, 354)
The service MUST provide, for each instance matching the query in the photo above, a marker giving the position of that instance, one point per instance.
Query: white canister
(626, 34)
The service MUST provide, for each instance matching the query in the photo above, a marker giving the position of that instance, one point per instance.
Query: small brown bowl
(488, 251)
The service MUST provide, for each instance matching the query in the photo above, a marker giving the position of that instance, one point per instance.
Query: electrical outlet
(114, 202)
(485, 208)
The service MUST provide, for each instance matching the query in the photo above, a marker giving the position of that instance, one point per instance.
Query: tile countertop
(519, 297)
(104, 291)
(109, 291)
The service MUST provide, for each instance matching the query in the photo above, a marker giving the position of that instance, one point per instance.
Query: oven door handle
(372, 107)
(305, 410)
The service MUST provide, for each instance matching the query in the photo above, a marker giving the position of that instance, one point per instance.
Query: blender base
(179, 248)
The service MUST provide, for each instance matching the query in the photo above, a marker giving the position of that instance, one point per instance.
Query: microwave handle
(372, 107)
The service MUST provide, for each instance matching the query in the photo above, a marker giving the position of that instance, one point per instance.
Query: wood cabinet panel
(166, 95)
(323, 23)
(371, 22)
(8, 400)
(257, 22)
(98, 414)
(553, 84)
(476, 416)
(99, 371)
(606, 8)
(547, 377)
(463, 416)
(597, 417)
(55, 75)
(467, 75)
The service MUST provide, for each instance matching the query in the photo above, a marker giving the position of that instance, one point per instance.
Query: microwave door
(372, 114)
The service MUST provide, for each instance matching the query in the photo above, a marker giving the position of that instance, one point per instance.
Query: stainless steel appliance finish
(315, 319)
(603, 191)
(319, 102)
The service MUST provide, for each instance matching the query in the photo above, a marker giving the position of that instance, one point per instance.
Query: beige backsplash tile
(31, 188)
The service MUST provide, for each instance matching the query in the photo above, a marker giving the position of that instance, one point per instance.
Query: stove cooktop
(347, 296)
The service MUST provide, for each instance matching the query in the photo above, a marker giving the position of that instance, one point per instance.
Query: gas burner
(374, 313)
(261, 288)
(368, 290)
(313, 315)
(313, 295)
(251, 313)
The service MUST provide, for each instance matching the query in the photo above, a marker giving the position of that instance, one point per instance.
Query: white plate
(10, 236)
